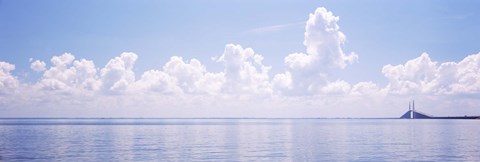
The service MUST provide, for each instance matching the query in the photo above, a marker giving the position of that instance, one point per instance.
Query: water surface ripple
(239, 140)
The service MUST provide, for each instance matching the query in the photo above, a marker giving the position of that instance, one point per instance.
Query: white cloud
(60, 75)
(86, 74)
(211, 83)
(282, 82)
(118, 74)
(38, 66)
(185, 88)
(337, 87)
(411, 77)
(365, 88)
(244, 71)
(8, 82)
(179, 76)
(324, 40)
(69, 75)
(158, 81)
(190, 75)
(466, 74)
(421, 75)
(63, 60)
(307, 73)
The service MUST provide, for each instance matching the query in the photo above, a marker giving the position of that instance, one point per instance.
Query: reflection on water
(238, 139)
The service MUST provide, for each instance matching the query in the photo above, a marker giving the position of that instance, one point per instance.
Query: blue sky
(379, 32)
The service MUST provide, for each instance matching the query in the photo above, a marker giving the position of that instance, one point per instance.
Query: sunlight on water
(238, 139)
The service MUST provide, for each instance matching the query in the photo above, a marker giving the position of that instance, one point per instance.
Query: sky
(211, 58)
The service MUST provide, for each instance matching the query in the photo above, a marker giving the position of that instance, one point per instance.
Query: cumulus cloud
(186, 88)
(68, 74)
(38, 66)
(193, 77)
(413, 76)
(8, 82)
(86, 74)
(365, 88)
(179, 76)
(244, 71)
(422, 75)
(118, 74)
(337, 87)
(282, 82)
(158, 81)
(60, 75)
(187, 73)
(307, 72)
(324, 40)
(466, 75)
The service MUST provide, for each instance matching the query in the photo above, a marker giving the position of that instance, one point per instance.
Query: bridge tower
(413, 109)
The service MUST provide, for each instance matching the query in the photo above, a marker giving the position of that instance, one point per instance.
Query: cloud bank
(422, 75)
(185, 88)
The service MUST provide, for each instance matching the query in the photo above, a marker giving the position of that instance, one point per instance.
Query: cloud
(307, 73)
(244, 71)
(179, 77)
(193, 77)
(60, 76)
(38, 66)
(422, 75)
(86, 74)
(337, 87)
(365, 88)
(187, 73)
(413, 76)
(8, 82)
(158, 81)
(118, 74)
(69, 75)
(324, 40)
(282, 82)
(466, 75)
(244, 88)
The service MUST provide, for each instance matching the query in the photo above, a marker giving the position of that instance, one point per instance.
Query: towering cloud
(307, 73)
(324, 40)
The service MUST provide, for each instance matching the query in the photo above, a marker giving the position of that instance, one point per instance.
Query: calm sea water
(239, 140)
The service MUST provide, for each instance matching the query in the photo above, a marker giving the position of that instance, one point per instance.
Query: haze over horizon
(238, 58)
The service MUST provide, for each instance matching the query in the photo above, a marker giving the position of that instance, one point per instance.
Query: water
(239, 140)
